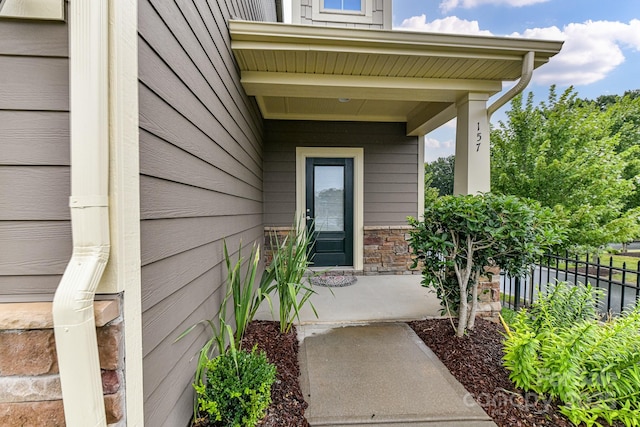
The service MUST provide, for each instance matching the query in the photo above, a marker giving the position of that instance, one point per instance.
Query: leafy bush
(237, 389)
(288, 268)
(461, 235)
(561, 349)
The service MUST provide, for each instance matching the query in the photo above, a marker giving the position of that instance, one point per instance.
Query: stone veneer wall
(269, 234)
(30, 393)
(386, 250)
(489, 294)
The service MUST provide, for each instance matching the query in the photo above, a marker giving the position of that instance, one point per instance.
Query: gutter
(525, 78)
(73, 318)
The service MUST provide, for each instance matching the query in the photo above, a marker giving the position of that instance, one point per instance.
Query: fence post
(516, 296)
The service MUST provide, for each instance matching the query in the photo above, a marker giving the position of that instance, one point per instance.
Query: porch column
(472, 166)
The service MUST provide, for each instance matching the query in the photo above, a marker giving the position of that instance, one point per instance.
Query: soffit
(300, 72)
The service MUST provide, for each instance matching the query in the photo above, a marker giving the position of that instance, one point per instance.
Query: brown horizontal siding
(34, 138)
(34, 193)
(201, 172)
(390, 167)
(34, 248)
(35, 235)
(34, 83)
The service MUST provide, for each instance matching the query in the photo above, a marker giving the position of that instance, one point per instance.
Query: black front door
(329, 200)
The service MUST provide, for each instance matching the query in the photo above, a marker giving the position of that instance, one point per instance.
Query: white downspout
(73, 318)
(527, 72)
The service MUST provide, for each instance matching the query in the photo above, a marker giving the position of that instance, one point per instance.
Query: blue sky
(601, 54)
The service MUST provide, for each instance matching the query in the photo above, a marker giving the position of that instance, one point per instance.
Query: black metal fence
(621, 285)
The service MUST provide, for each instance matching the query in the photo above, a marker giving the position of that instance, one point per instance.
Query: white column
(472, 166)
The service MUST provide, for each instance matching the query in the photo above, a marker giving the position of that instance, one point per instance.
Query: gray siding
(35, 235)
(390, 167)
(200, 182)
(377, 18)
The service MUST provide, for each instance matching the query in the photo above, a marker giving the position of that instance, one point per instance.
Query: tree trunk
(463, 311)
(474, 302)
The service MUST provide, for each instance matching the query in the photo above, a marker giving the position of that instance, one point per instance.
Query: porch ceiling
(308, 72)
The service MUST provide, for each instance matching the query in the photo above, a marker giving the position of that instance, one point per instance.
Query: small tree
(462, 235)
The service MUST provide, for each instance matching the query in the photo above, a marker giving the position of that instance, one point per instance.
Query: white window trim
(357, 154)
(46, 10)
(365, 16)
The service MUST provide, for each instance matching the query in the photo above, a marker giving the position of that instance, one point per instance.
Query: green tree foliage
(439, 175)
(461, 235)
(574, 157)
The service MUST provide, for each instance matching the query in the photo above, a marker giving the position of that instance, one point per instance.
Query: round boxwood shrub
(237, 388)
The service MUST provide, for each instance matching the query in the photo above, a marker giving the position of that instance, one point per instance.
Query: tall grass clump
(561, 349)
(289, 270)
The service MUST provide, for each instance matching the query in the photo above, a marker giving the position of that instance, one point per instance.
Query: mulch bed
(287, 405)
(476, 362)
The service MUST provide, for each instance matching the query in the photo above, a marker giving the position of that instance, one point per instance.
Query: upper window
(342, 11)
(346, 5)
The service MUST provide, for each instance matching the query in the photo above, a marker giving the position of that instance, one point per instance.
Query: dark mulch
(288, 405)
(476, 361)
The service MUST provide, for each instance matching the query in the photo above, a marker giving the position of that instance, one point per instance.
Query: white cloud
(451, 124)
(591, 50)
(447, 5)
(436, 143)
(450, 24)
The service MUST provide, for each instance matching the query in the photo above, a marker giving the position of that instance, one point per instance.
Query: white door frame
(355, 153)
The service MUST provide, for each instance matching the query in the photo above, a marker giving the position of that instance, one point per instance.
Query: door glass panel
(329, 198)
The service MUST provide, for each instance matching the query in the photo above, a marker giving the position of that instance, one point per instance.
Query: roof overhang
(305, 72)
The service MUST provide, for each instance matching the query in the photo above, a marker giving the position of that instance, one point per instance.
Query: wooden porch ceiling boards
(301, 72)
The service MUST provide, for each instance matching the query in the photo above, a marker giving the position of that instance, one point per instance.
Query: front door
(329, 205)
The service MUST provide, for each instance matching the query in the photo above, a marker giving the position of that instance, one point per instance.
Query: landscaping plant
(561, 349)
(461, 235)
(289, 269)
(237, 390)
(245, 298)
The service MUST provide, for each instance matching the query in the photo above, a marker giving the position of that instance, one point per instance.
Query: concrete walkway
(362, 366)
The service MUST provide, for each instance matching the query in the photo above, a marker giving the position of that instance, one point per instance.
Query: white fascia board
(46, 10)
(391, 39)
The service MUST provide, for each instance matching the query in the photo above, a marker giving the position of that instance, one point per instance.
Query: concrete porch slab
(370, 299)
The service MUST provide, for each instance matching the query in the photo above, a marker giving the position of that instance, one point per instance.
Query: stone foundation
(30, 393)
(489, 294)
(269, 233)
(386, 250)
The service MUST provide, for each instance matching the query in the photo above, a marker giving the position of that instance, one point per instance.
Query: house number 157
(478, 138)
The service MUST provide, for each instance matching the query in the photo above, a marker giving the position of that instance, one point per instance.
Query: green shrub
(461, 235)
(508, 315)
(561, 349)
(237, 388)
(562, 305)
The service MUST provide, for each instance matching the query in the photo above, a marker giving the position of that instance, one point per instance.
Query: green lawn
(618, 261)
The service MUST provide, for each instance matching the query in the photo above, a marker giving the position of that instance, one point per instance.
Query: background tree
(440, 172)
(569, 155)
